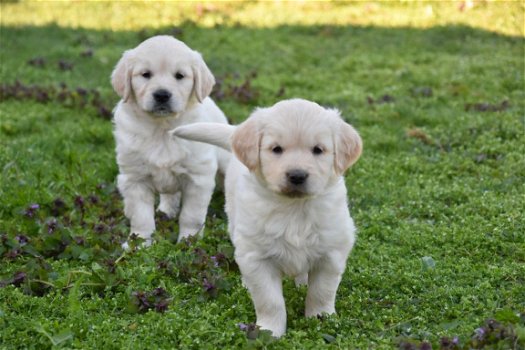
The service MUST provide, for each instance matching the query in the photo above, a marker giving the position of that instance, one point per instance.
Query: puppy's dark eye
(179, 76)
(317, 150)
(277, 150)
(146, 74)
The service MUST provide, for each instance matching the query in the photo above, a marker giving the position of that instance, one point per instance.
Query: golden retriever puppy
(286, 202)
(164, 84)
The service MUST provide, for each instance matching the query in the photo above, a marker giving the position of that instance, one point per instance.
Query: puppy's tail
(217, 134)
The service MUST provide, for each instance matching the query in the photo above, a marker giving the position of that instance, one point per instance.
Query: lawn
(436, 91)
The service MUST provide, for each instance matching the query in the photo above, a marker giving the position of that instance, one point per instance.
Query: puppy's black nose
(162, 96)
(297, 177)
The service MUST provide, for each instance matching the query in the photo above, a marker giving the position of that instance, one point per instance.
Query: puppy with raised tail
(164, 84)
(286, 202)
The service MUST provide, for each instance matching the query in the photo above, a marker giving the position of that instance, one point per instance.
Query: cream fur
(277, 231)
(150, 160)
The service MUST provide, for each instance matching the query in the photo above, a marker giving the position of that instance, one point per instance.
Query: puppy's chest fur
(296, 240)
(151, 153)
(166, 163)
(294, 236)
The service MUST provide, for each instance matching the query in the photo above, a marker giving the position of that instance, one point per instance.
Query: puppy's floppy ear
(121, 76)
(203, 79)
(348, 146)
(245, 143)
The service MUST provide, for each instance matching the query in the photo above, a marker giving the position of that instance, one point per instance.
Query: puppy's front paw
(186, 234)
(135, 241)
(319, 310)
(277, 330)
(274, 322)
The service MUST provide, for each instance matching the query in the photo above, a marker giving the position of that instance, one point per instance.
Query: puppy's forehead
(297, 129)
(161, 63)
(162, 43)
(163, 52)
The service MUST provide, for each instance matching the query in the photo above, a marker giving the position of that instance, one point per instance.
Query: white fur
(308, 234)
(150, 160)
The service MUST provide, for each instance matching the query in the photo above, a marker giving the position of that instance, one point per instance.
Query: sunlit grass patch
(504, 17)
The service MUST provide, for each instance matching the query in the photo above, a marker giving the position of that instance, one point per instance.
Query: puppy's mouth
(162, 110)
(294, 192)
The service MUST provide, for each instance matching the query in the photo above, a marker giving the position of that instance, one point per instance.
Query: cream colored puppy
(164, 84)
(286, 202)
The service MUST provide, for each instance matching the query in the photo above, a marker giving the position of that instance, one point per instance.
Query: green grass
(438, 195)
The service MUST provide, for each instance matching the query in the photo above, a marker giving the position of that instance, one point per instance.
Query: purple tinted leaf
(159, 292)
(31, 210)
(87, 53)
(22, 239)
(100, 228)
(37, 62)
(58, 207)
(425, 346)
(52, 225)
(93, 199)
(65, 65)
(487, 107)
(79, 240)
(479, 333)
(79, 202)
(19, 278)
(208, 286)
(161, 306)
(13, 254)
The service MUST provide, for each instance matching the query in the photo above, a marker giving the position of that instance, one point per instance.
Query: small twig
(120, 257)
(68, 284)
(43, 282)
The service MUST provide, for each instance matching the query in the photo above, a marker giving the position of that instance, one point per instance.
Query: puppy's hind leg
(170, 204)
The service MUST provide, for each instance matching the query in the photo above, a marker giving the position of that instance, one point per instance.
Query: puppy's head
(162, 76)
(296, 147)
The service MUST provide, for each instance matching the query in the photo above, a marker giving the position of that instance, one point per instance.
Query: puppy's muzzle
(162, 99)
(297, 177)
(296, 184)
